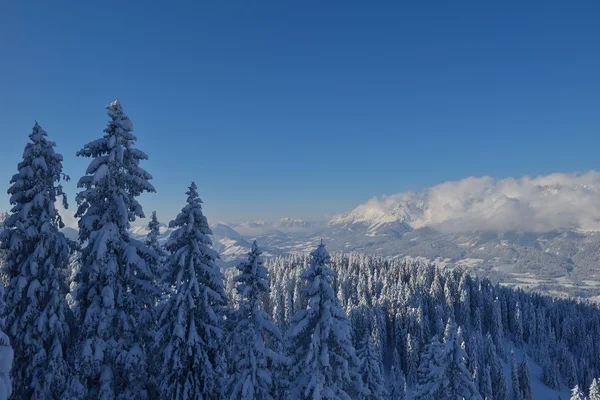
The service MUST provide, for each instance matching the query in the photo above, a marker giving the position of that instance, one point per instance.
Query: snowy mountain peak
(408, 208)
(540, 204)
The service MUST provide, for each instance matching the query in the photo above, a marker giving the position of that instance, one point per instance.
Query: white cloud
(540, 204)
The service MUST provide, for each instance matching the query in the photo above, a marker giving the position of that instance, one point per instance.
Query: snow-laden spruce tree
(155, 258)
(158, 255)
(550, 374)
(491, 360)
(370, 370)
(115, 287)
(431, 381)
(323, 360)
(190, 334)
(397, 382)
(443, 373)
(594, 392)
(514, 377)
(577, 393)
(36, 255)
(525, 379)
(486, 390)
(251, 358)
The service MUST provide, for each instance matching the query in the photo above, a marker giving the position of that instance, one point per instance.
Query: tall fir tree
(443, 372)
(370, 370)
(577, 393)
(487, 392)
(497, 328)
(525, 379)
(115, 286)
(36, 257)
(158, 255)
(431, 381)
(190, 334)
(514, 377)
(490, 359)
(323, 360)
(155, 258)
(397, 382)
(594, 393)
(550, 375)
(250, 357)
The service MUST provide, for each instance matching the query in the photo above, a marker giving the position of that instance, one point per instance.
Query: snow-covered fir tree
(491, 360)
(443, 373)
(158, 255)
(323, 360)
(431, 380)
(155, 258)
(594, 393)
(525, 379)
(514, 377)
(577, 393)
(251, 360)
(190, 334)
(486, 390)
(36, 254)
(397, 382)
(370, 371)
(115, 287)
(550, 375)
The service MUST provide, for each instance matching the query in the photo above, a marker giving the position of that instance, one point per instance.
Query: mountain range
(503, 230)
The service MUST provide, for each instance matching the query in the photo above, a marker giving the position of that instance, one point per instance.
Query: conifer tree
(550, 375)
(190, 334)
(514, 375)
(370, 371)
(443, 373)
(36, 256)
(486, 384)
(525, 379)
(155, 258)
(115, 287)
(323, 360)
(497, 330)
(397, 384)
(518, 325)
(412, 358)
(460, 379)
(158, 254)
(250, 356)
(577, 394)
(594, 393)
(431, 382)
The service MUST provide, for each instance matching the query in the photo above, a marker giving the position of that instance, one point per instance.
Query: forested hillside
(417, 316)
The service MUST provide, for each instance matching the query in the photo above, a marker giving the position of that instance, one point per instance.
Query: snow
(540, 391)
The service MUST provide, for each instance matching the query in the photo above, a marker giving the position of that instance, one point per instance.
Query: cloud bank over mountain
(539, 204)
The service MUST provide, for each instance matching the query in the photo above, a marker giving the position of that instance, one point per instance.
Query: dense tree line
(112, 317)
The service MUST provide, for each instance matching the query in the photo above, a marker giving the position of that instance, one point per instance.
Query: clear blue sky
(306, 108)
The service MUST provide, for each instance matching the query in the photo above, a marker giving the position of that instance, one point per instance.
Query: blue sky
(306, 109)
